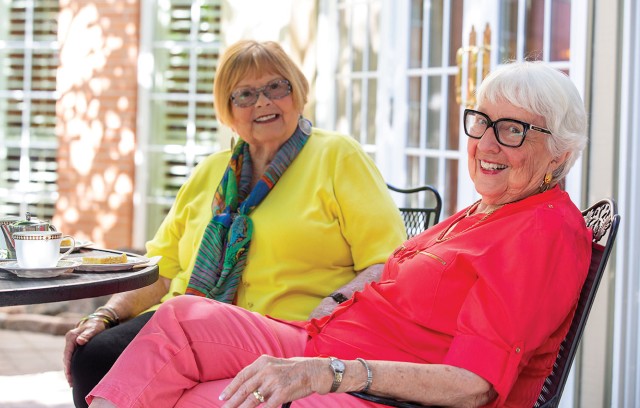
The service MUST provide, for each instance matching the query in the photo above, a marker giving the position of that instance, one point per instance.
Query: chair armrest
(386, 401)
(378, 400)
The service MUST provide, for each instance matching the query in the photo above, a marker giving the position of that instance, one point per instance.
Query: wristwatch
(337, 366)
(338, 297)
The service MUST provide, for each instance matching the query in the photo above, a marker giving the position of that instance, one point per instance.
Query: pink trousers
(192, 348)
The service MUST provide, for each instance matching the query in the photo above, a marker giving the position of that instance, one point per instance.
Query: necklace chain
(445, 235)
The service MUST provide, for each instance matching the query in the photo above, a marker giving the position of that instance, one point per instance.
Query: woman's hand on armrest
(430, 384)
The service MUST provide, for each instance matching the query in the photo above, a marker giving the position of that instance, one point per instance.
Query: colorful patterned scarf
(225, 244)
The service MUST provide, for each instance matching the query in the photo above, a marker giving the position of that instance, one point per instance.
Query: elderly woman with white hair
(469, 313)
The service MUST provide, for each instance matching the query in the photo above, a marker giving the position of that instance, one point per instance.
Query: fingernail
(222, 397)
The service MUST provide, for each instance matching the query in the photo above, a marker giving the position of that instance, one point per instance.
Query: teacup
(31, 224)
(40, 249)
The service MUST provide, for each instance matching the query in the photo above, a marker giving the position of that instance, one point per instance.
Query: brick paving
(31, 371)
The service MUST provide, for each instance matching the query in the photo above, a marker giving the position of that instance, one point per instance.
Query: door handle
(468, 59)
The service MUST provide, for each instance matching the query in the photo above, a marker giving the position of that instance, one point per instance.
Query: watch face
(337, 365)
(339, 297)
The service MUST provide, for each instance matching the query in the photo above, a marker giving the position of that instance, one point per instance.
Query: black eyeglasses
(246, 97)
(509, 132)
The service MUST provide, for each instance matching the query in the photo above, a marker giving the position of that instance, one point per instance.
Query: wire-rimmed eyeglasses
(509, 132)
(248, 96)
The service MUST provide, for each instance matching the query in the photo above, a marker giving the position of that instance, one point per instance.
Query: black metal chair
(418, 217)
(603, 219)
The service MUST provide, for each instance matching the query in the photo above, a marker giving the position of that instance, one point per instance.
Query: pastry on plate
(104, 259)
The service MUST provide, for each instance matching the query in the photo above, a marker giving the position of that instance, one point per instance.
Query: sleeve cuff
(496, 364)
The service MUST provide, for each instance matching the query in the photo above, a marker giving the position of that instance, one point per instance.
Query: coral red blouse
(495, 297)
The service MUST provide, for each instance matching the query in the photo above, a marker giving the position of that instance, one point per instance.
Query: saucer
(64, 266)
(79, 244)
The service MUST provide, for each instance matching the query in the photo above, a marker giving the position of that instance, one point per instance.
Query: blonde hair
(253, 58)
(542, 90)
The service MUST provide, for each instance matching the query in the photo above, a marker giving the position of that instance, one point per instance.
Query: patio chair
(603, 219)
(418, 218)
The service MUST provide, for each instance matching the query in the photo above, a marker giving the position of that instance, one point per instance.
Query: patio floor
(31, 373)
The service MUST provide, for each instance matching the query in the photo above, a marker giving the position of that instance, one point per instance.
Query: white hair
(544, 91)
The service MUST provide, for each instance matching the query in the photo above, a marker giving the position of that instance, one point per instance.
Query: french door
(401, 72)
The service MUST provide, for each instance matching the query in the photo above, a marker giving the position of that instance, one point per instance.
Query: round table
(77, 285)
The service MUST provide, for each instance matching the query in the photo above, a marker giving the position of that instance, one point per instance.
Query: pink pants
(192, 348)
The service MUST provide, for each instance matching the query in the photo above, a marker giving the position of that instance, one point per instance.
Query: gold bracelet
(107, 320)
(114, 316)
(369, 374)
(105, 317)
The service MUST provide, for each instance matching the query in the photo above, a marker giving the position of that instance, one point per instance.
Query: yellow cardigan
(328, 217)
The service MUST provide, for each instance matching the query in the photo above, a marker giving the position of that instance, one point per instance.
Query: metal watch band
(337, 366)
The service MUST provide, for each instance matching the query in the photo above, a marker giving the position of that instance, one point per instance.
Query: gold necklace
(445, 236)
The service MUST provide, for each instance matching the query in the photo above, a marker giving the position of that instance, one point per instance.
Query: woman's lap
(192, 340)
(205, 395)
(92, 361)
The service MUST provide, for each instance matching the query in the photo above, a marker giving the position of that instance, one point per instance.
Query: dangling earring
(546, 182)
(305, 125)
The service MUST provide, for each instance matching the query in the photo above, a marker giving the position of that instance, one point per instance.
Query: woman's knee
(189, 307)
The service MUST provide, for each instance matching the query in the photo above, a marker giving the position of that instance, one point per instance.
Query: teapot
(11, 224)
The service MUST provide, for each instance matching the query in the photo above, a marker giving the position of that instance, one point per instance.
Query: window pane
(207, 61)
(45, 64)
(434, 107)
(45, 24)
(210, 18)
(43, 121)
(455, 33)
(436, 14)
(414, 109)
(431, 171)
(450, 193)
(535, 30)
(170, 171)
(453, 117)
(371, 111)
(356, 109)
(358, 36)
(413, 171)
(206, 125)
(12, 63)
(560, 30)
(373, 38)
(12, 123)
(415, 32)
(341, 104)
(172, 73)
(508, 30)
(344, 46)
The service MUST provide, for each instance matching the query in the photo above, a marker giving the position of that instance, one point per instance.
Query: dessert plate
(132, 260)
(64, 266)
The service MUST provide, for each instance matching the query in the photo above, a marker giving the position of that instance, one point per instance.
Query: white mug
(40, 249)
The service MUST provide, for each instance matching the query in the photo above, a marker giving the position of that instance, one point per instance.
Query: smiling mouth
(491, 166)
(266, 118)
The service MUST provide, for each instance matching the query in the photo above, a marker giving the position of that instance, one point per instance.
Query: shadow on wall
(96, 115)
